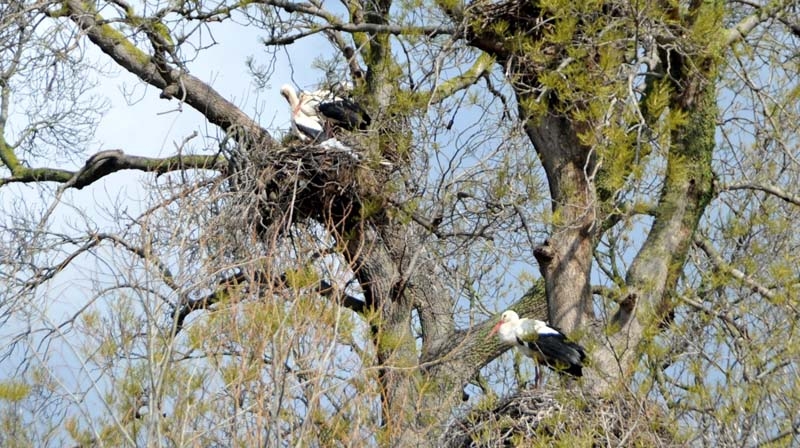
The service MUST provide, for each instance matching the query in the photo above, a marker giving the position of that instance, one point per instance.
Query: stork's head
(288, 92)
(507, 318)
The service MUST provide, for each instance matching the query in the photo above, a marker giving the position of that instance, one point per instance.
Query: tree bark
(687, 191)
(565, 260)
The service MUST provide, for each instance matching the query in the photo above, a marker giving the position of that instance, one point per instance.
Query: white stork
(306, 122)
(543, 343)
(311, 111)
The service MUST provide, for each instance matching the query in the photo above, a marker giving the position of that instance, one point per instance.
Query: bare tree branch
(480, 68)
(766, 188)
(723, 266)
(144, 254)
(793, 431)
(227, 285)
(430, 31)
(774, 9)
(723, 316)
(198, 94)
(111, 161)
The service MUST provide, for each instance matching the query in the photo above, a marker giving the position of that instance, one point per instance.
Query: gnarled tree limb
(111, 161)
(198, 94)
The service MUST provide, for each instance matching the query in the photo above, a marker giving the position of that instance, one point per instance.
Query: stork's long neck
(508, 332)
(291, 96)
(295, 102)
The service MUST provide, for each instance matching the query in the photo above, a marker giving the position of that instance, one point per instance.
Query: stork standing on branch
(545, 344)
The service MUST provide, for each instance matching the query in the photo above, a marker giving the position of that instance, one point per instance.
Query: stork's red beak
(495, 328)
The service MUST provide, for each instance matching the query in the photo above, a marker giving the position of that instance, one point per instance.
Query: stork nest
(540, 417)
(327, 182)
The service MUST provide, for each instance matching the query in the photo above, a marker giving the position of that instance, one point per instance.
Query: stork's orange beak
(495, 328)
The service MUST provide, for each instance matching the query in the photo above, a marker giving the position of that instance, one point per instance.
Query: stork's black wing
(559, 353)
(345, 114)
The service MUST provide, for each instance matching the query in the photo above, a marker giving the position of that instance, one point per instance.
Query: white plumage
(315, 113)
(306, 122)
(543, 343)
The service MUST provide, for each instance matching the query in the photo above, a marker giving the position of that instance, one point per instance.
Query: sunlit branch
(431, 225)
(213, 15)
(480, 68)
(793, 27)
(303, 8)
(723, 316)
(613, 294)
(773, 10)
(723, 266)
(7, 155)
(766, 188)
(626, 210)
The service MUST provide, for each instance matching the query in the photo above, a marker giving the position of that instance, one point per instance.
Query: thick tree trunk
(390, 313)
(687, 190)
(394, 271)
(565, 260)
